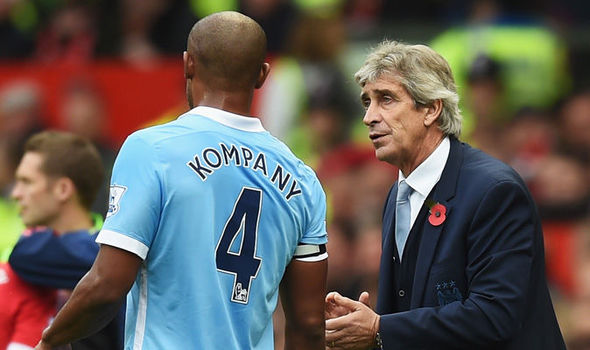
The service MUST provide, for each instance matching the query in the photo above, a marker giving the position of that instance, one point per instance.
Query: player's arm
(96, 299)
(303, 290)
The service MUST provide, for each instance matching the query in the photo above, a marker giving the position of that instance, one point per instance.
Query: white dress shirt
(425, 176)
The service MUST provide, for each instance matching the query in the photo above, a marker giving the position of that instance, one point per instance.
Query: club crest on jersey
(114, 199)
(240, 294)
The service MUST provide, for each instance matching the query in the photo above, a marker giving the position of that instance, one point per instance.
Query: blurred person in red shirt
(25, 310)
(56, 183)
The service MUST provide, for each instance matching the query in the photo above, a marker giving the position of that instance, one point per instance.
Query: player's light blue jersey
(216, 207)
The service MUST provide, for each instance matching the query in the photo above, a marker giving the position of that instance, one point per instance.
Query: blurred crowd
(522, 79)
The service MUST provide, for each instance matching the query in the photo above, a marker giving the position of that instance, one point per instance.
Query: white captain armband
(310, 252)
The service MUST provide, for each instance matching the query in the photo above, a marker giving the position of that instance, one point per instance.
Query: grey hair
(424, 73)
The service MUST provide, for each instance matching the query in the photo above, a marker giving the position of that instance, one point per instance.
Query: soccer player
(209, 216)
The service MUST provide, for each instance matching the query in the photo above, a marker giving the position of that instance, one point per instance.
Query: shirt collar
(233, 120)
(427, 174)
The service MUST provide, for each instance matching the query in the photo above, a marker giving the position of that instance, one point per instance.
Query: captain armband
(310, 252)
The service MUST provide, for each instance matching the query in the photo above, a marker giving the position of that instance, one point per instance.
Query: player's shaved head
(229, 49)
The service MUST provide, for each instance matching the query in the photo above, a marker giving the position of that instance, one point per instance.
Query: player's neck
(234, 102)
(72, 218)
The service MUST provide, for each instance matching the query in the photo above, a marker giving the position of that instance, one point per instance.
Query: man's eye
(366, 103)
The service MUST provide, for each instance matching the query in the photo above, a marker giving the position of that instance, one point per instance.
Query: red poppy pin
(437, 212)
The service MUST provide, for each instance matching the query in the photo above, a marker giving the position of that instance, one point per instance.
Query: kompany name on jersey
(211, 159)
(114, 199)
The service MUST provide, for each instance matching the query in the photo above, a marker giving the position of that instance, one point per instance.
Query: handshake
(350, 324)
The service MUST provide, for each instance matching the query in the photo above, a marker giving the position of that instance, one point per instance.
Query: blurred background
(104, 68)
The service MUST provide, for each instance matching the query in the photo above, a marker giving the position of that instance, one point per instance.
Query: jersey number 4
(243, 264)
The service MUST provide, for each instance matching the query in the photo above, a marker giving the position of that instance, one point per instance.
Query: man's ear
(264, 70)
(64, 189)
(433, 112)
(189, 65)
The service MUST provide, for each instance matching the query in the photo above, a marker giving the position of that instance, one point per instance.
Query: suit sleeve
(500, 241)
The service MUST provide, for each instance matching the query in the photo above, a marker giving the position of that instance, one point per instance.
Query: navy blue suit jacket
(480, 278)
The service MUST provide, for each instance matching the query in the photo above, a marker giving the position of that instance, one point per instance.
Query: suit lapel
(442, 193)
(389, 219)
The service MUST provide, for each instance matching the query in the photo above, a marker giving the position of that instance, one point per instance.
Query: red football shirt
(25, 309)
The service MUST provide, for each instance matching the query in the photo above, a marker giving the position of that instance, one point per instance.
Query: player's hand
(357, 325)
(333, 310)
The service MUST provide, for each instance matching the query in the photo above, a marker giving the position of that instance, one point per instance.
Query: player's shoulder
(302, 169)
(307, 178)
(156, 133)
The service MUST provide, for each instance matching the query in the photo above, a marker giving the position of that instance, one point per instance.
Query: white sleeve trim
(18, 346)
(122, 241)
(314, 258)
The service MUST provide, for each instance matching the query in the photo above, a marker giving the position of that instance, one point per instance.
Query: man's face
(35, 192)
(396, 125)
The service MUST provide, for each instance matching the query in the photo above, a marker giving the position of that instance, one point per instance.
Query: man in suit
(462, 263)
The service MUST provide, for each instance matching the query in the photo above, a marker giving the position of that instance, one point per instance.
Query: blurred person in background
(366, 258)
(307, 76)
(484, 98)
(324, 129)
(341, 247)
(566, 199)
(20, 117)
(56, 182)
(20, 111)
(276, 17)
(70, 35)
(462, 262)
(564, 207)
(142, 31)
(25, 310)
(532, 55)
(10, 224)
(16, 39)
(526, 139)
(137, 20)
(83, 113)
(574, 125)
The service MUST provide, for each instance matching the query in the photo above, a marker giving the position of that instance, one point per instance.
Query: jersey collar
(233, 120)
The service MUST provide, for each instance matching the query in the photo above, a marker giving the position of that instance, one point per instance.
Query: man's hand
(350, 324)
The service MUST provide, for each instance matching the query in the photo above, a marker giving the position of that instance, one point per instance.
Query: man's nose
(16, 192)
(372, 115)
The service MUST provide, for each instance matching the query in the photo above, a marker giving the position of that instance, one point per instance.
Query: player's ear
(63, 188)
(264, 70)
(189, 65)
